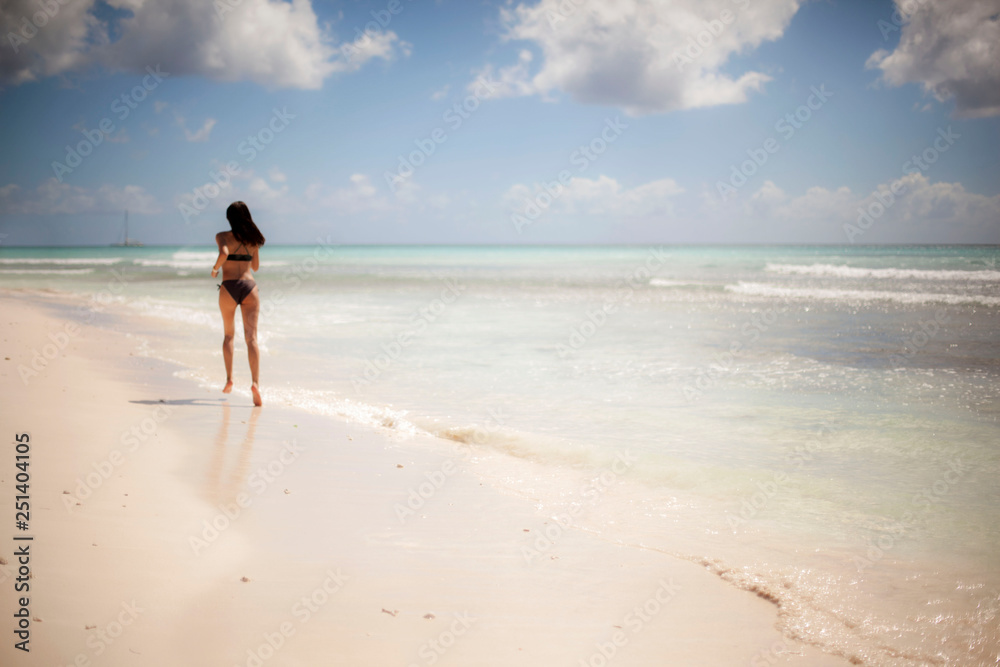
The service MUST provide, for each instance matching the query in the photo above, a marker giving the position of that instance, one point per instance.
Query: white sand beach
(311, 560)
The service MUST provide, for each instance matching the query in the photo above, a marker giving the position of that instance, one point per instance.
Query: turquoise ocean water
(815, 424)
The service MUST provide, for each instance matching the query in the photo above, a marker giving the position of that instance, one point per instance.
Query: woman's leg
(249, 309)
(228, 308)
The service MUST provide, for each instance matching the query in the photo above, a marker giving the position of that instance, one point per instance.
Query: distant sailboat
(131, 243)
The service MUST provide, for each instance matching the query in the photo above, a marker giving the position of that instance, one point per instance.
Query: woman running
(238, 259)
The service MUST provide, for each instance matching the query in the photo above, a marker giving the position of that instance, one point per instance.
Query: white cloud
(818, 204)
(119, 137)
(511, 81)
(603, 196)
(63, 43)
(274, 43)
(359, 196)
(358, 199)
(384, 45)
(952, 49)
(55, 198)
(764, 200)
(259, 190)
(441, 93)
(919, 212)
(200, 135)
(641, 55)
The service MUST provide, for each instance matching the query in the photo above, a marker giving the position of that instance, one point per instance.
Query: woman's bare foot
(228, 388)
(256, 395)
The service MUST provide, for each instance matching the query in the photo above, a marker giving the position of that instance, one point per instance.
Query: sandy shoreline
(183, 493)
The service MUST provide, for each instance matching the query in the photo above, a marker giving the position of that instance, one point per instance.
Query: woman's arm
(223, 253)
(255, 263)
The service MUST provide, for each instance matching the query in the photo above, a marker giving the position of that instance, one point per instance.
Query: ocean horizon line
(532, 245)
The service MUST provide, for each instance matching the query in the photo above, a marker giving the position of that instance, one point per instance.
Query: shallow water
(816, 424)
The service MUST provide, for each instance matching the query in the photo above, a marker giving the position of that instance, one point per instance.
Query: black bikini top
(240, 258)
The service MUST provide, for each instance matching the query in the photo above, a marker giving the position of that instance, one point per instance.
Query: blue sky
(581, 121)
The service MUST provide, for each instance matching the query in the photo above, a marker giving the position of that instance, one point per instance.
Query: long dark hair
(242, 224)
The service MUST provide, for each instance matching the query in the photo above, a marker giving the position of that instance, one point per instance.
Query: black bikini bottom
(238, 289)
